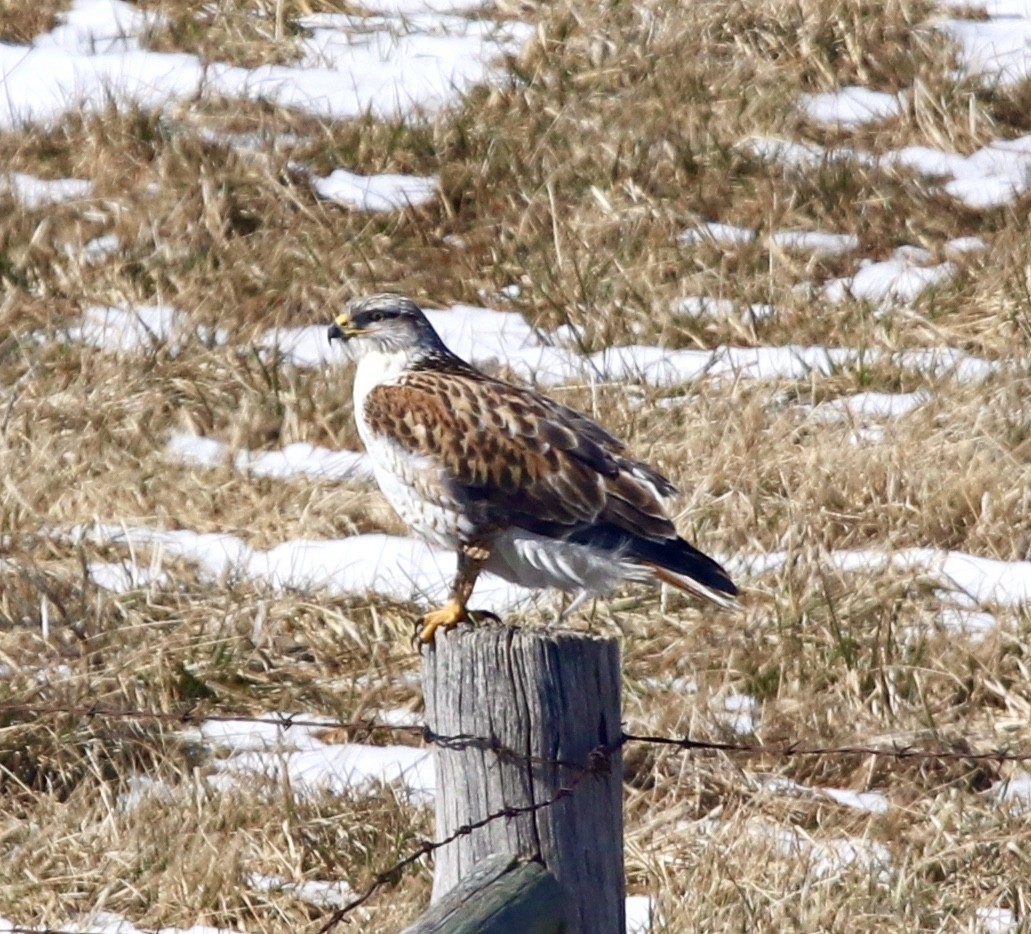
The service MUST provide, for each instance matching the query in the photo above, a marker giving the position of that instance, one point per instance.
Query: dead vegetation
(621, 125)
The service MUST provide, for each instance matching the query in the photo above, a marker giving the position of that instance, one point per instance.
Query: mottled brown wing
(516, 458)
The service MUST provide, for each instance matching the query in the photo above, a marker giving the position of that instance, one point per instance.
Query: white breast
(414, 485)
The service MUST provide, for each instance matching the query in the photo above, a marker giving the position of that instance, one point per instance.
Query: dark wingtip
(676, 555)
(704, 569)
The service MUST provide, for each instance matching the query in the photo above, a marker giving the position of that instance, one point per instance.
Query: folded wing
(514, 458)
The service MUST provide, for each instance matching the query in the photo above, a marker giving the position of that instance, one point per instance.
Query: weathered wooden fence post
(520, 713)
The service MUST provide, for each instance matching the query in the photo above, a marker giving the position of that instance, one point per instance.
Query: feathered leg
(471, 559)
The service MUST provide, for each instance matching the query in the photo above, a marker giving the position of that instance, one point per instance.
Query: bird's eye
(376, 316)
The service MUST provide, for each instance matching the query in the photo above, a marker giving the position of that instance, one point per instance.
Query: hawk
(514, 482)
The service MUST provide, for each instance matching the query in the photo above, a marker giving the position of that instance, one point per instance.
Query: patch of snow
(850, 106)
(833, 857)
(100, 247)
(398, 716)
(237, 736)
(997, 50)
(823, 858)
(36, 193)
(401, 568)
(988, 191)
(738, 712)
(678, 684)
(926, 160)
(299, 459)
(814, 241)
(384, 192)
(829, 857)
(216, 553)
(866, 435)
(387, 66)
(54, 674)
(105, 922)
(987, 580)
(721, 309)
(313, 891)
(992, 176)
(784, 151)
(1014, 792)
(803, 155)
(963, 245)
(704, 306)
(995, 920)
(659, 367)
(761, 311)
(715, 232)
(139, 328)
(121, 577)
(880, 404)
(990, 8)
(973, 624)
(305, 346)
(944, 361)
(640, 912)
(261, 140)
(398, 568)
(141, 789)
(98, 27)
(296, 755)
(864, 406)
(872, 802)
(983, 580)
(891, 282)
(306, 460)
(483, 334)
(196, 450)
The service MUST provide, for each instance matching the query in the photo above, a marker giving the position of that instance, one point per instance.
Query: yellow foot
(447, 616)
(450, 616)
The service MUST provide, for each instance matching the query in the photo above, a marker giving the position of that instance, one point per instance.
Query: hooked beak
(341, 329)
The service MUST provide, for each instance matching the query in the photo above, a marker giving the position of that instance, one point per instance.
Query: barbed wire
(195, 717)
(798, 750)
(597, 762)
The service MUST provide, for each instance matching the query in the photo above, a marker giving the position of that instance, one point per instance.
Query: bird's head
(389, 324)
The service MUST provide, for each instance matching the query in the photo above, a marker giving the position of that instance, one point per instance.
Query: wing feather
(518, 458)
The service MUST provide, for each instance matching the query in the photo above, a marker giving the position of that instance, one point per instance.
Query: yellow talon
(447, 616)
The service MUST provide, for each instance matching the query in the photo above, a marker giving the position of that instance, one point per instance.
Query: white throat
(376, 367)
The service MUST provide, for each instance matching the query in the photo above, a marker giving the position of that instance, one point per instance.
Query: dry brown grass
(623, 125)
(21, 20)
